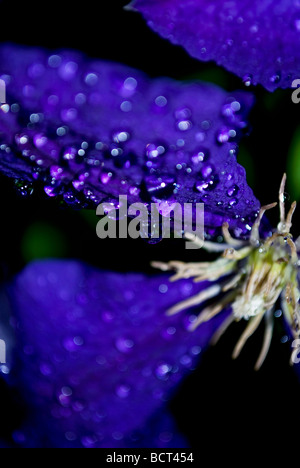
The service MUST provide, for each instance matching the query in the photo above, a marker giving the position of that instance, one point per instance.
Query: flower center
(249, 276)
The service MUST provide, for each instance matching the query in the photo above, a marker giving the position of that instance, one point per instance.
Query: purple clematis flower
(91, 130)
(256, 40)
(101, 347)
(97, 356)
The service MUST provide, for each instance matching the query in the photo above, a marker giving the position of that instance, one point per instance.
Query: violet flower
(257, 41)
(96, 355)
(102, 348)
(90, 131)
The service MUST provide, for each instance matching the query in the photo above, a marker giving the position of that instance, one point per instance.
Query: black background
(223, 401)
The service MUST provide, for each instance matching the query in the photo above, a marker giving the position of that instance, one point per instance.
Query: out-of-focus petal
(257, 40)
(91, 130)
(97, 355)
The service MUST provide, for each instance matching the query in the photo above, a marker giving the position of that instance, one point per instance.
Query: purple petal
(258, 40)
(97, 353)
(91, 130)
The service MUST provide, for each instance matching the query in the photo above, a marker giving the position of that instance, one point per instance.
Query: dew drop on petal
(247, 79)
(163, 371)
(232, 191)
(123, 391)
(124, 345)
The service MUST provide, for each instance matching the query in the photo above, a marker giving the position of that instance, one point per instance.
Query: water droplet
(71, 200)
(80, 99)
(67, 70)
(68, 115)
(186, 360)
(54, 61)
(233, 202)
(126, 106)
(247, 79)
(297, 24)
(134, 190)
(275, 78)
(161, 101)
(196, 350)
(121, 137)
(123, 391)
(25, 189)
(208, 179)
(62, 131)
(117, 435)
(159, 186)
(232, 191)
(70, 436)
(105, 177)
(163, 288)
(200, 157)
(46, 369)
(205, 125)
(182, 113)
(130, 83)
(225, 134)
(163, 371)
(91, 79)
(69, 153)
(72, 343)
(124, 345)
(50, 191)
(184, 125)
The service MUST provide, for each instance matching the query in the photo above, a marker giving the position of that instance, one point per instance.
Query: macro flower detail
(249, 276)
(88, 131)
(96, 356)
(258, 40)
(97, 349)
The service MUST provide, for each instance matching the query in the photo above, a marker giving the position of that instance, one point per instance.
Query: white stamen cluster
(250, 276)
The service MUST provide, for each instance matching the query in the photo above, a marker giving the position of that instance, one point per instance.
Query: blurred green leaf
(214, 75)
(43, 240)
(90, 217)
(244, 159)
(293, 166)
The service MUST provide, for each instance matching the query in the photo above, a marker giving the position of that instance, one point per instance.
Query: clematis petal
(97, 355)
(258, 40)
(91, 130)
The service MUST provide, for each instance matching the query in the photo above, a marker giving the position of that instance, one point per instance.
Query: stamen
(293, 250)
(222, 329)
(254, 237)
(254, 280)
(233, 254)
(233, 282)
(281, 199)
(211, 311)
(249, 330)
(288, 221)
(228, 238)
(193, 238)
(267, 339)
(195, 300)
(272, 238)
(206, 315)
(251, 275)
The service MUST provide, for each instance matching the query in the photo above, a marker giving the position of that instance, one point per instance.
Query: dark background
(223, 401)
